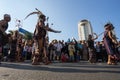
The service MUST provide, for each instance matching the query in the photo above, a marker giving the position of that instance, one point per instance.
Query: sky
(64, 14)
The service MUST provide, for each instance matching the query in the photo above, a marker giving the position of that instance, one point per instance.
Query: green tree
(28, 36)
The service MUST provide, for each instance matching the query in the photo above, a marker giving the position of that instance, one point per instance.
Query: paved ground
(59, 71)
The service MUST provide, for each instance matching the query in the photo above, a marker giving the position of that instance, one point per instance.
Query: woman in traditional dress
(110, 43)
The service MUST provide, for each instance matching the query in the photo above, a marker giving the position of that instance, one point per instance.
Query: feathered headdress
(38, 12)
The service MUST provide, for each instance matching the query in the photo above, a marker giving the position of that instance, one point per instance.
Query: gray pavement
(59, 71)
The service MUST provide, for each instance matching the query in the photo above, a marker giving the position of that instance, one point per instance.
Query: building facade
(84, 29)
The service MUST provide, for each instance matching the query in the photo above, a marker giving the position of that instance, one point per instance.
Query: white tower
(84, 29)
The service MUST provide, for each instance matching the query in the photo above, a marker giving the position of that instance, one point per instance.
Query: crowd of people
(14, 48)
(73, 51)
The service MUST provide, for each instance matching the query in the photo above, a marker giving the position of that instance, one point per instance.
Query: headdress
(109, 25)
(41, 16)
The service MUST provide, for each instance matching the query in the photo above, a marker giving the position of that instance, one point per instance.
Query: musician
(110, 43)
(3, 28)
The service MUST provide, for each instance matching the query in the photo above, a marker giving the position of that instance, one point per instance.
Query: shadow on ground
(65, 67)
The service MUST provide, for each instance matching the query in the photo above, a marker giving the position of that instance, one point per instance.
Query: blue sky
(64, 14)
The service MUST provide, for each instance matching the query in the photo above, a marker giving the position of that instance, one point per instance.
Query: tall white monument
(84, 29)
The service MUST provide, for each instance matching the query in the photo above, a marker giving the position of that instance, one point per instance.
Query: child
(64, 57)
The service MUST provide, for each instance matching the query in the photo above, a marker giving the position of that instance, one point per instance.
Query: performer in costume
(3, 28)
(110, 43)
(19, 49)
(40, 38)
(91, 48)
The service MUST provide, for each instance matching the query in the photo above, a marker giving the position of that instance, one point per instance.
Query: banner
(23, 31)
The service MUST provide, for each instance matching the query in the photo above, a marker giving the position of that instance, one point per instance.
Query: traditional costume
(3, 28)
(110, 44)
(40, 38)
